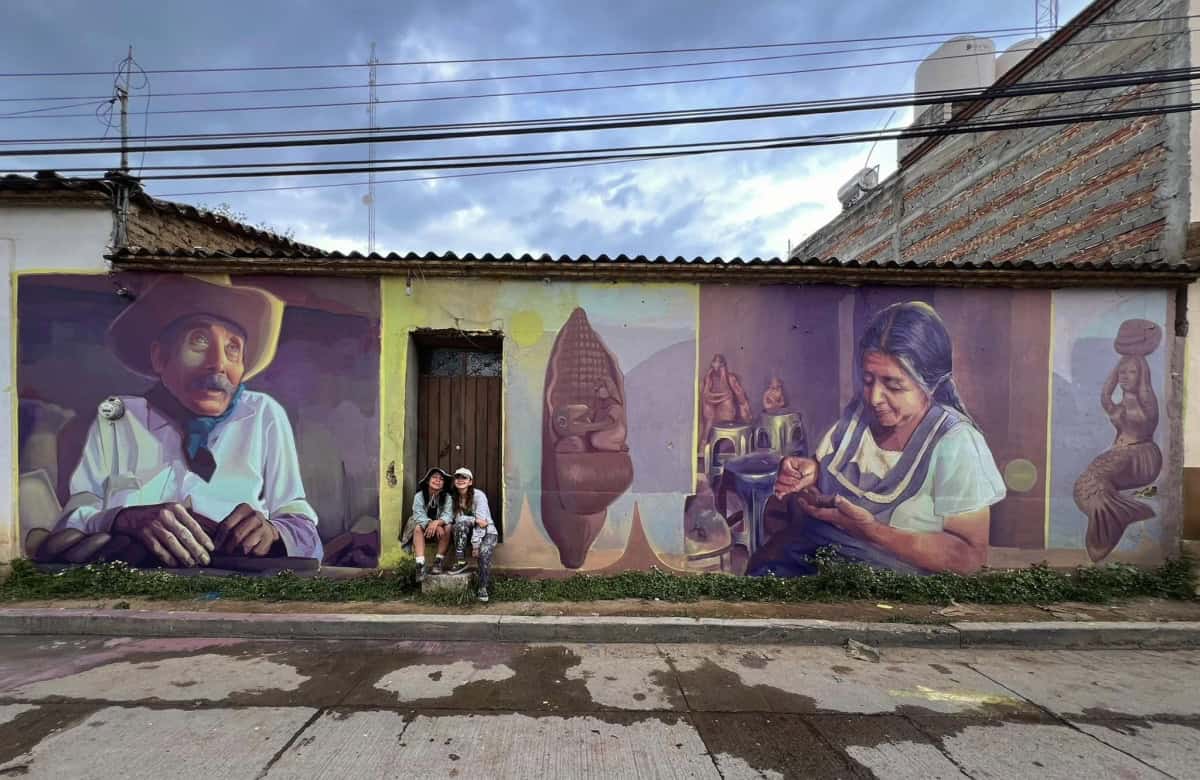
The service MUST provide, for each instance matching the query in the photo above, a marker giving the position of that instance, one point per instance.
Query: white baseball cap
(465, 472)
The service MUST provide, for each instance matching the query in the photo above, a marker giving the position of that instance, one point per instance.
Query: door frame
(421, 340)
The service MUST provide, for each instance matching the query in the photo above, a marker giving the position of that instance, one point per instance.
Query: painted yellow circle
(1020, 475)
(525, 327)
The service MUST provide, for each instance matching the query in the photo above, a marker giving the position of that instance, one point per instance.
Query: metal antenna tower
(369, 199)
(1045, 17)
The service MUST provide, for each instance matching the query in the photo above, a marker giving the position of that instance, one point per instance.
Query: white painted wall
(35, 239)
(1191, 388)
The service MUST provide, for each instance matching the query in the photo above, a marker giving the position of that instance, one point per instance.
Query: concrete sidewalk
(164, 708)
(669, 630)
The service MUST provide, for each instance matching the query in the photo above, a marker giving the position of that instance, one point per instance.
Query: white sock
(440, 557)
(420, 560)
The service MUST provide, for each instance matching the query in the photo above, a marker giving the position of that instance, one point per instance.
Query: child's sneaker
(459, 566)
(437, 565)
(483, 595)
(420, 571)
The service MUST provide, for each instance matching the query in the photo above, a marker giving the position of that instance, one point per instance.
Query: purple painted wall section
(325, 375)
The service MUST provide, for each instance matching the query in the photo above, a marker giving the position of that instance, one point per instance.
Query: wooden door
(458, 417)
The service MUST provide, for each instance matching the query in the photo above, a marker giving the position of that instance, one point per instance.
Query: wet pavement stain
(719, 699)
(24, 732)
(538, 684)
(784, 744)
(327, 672)
(1130, 724)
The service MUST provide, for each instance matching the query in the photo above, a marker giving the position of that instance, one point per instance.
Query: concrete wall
(42, 239)
(1191, 417)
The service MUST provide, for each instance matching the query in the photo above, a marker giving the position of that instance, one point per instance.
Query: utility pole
(121, 182)
(123, 96)
(371, 108)
(1045, 17)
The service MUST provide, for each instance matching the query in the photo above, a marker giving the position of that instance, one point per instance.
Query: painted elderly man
(199, 464)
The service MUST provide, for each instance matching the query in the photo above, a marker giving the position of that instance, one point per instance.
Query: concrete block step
(453, 583)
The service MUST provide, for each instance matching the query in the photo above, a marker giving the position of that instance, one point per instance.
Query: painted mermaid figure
(1134, 460)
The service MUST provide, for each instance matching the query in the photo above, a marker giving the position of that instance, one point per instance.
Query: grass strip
(836, 580)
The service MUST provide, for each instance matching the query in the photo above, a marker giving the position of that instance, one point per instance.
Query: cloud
(748, 203)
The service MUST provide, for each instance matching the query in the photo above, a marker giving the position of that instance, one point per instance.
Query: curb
(668, 630)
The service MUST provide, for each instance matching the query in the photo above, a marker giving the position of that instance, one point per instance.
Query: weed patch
(836, 580)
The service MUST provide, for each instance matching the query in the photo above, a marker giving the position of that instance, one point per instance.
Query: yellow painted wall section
(633, 320)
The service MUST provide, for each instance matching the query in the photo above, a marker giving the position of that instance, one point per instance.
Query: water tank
(860, 184)
(965, 62)
(1015, 53)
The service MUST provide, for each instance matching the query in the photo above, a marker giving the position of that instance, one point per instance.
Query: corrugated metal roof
(643, 268)
(445, 257)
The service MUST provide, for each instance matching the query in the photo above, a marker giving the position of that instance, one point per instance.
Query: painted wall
(1026, 468)
(724, 428)
(58, 239)
(642, 336)
(301, 441)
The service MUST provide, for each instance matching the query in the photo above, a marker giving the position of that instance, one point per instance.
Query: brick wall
(1112, 191)
(158, 224)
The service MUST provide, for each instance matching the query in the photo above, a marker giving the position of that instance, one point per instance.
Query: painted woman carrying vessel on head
(1134, 459)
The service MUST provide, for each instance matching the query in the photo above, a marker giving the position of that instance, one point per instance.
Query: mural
(920, 430)
(205, 423)
(585, 458)
(691, 428)
(1112, 495)
(903, 480)
(1134, 460)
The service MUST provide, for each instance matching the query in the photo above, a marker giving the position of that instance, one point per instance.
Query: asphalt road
(227, 708)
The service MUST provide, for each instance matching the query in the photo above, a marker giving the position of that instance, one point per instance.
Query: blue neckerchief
(197, 428)
(194, 428)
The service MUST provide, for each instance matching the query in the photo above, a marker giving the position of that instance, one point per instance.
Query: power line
(701, 117)
(508, 171)
(930, 96)
(372, 160)
(585, 55)
(686, 150)
(509, 77)
(559, 90)
(405, 179)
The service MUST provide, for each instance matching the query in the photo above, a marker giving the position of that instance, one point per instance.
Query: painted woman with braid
(904, 480)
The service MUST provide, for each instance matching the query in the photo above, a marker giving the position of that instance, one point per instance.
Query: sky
(747, 204)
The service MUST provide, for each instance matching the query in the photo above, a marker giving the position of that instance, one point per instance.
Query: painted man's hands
(246, 532)
(170, 532)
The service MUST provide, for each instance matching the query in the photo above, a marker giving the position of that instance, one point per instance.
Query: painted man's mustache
(212, 382)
